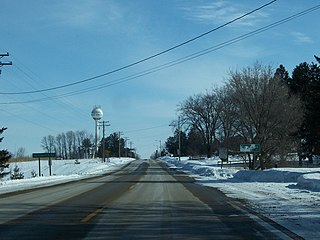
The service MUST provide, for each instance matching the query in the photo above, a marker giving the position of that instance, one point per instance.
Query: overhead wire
(177, 61)
(60, 103)
(144, 59)
(32, 76)
(30, 121)
(146, 129)
(20, 67)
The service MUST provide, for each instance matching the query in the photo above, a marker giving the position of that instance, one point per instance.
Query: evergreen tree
(16, 173)
(196, 145)
(282, 74)
(172, 143)
(305, 82)
(112, 145)
(4, 158)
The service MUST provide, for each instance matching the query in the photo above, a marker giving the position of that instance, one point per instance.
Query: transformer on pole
(4, 63)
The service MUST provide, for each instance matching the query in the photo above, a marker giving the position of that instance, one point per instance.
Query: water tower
(96, 114)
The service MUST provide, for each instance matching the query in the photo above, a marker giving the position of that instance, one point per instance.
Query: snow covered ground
(289, 196)
(62, 171)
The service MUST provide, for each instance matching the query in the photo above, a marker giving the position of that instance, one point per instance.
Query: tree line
(79, 145)
(69, 145)
(255, 105)
(116, 146)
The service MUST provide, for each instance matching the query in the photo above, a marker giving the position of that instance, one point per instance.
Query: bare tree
(21, 152)
(229, 123)
(71, 144)
(48, 143)
(202, 112)
(59, 145)
(64, 145)
(267, 114)
(80, 138)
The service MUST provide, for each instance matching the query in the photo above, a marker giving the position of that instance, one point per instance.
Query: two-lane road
(144, 200)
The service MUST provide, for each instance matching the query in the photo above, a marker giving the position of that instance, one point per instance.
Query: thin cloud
(300, 37)
(221, 12)
(84, 13)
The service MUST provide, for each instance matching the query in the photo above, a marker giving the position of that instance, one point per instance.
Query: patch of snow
(289, 196)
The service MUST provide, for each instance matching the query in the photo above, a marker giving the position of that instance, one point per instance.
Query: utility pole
(125, 146)
(131, 149)
(4, 63)
(179, 136)
(104, 124)
(179, 140)
(120, 133)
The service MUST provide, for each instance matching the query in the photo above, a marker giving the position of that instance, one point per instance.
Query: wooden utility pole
(104, 124)
(125, 146)
(120, 144)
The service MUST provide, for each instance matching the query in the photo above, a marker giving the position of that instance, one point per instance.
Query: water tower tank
(97, 113)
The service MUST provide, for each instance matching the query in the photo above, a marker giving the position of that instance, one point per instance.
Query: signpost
(250, 148)
(44, 155)
(253, 149)
(223, 155)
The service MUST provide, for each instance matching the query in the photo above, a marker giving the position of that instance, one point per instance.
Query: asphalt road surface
(143, 200)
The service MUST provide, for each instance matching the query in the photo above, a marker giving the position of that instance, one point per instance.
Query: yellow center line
(91, 215)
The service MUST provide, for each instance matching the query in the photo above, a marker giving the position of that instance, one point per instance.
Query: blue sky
(53, 43)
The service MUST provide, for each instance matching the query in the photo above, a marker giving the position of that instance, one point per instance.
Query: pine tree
(4, 158)
(16, 173)
(306, 83)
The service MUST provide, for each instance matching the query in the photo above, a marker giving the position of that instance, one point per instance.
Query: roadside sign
(223, 154)
(250, 148)
(43, 155)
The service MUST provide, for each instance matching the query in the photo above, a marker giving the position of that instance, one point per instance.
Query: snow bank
(207, 168)
(36, 182)
(267, 176)
(306, 178)
(310, 181)
(62, 171)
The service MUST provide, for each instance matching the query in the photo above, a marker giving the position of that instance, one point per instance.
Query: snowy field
(62, 171)
(288, 196)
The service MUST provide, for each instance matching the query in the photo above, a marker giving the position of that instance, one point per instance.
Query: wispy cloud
(299, 37)
(87, 13)
(220, 12)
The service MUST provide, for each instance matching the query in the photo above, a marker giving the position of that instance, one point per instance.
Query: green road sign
(250, 148)
(43, 155)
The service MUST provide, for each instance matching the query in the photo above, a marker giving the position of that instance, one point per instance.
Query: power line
(23, 69)
(144, 59)
(30, 121)
(174, 62)
(145, 129)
